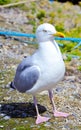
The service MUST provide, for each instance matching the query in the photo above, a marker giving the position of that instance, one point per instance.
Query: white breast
(51, 65)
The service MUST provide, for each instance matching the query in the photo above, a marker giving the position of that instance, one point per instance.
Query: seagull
(42, 70)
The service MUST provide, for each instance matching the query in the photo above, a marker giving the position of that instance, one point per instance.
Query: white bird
(43, 70)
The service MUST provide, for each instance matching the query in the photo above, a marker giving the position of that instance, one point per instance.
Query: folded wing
(26, 76)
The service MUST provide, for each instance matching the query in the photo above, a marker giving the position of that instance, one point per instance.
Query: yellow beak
(59, 34)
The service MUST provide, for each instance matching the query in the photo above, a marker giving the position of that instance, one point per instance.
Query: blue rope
(30, 42)
(14, 33)
(79, 44)
(68, 39)
(73, 56)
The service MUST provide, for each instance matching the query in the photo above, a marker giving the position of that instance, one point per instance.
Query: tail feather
(12, 86)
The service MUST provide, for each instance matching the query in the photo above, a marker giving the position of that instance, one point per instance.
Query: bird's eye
(44, 30)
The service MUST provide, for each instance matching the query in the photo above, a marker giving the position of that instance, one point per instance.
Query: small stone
(59, 89)
(66, 126)
(1, 126)
(14, 129)
(6, 98)
(0, 105)
(7, 117)
(25, 121)
(32, 126)
(2, 114)
(8, 85)
(48, 124)
(77, 95)
(70, 78)
(1, 45)
(63, 128)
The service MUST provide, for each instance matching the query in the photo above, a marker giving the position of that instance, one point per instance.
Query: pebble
(2, 114)
(63, 128)
(59, 89)
(6, 98)
(73, 86)
(8, 85)
(0, 105)
(70, 78)
(32, 126)
(14, 129)
(1, 45)
(6, 117)
(77, 95)
(26, 121)
(48, 124)
(1, 126)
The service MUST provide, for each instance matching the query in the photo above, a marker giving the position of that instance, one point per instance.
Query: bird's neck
(49, 48)
(45, 44)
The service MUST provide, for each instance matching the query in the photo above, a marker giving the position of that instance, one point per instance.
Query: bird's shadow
(20, 110)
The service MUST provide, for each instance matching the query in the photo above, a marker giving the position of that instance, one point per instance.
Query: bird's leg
(55, 112)
(39, 119)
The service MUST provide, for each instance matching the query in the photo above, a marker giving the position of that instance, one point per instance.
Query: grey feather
(26, 76)
(27, 62)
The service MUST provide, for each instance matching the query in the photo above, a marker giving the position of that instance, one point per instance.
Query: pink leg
(39, 119)
(56, 113)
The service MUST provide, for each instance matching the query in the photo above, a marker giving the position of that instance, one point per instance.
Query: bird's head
(47, 32)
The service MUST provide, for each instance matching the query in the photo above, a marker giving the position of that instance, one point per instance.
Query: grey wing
(26, 76)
